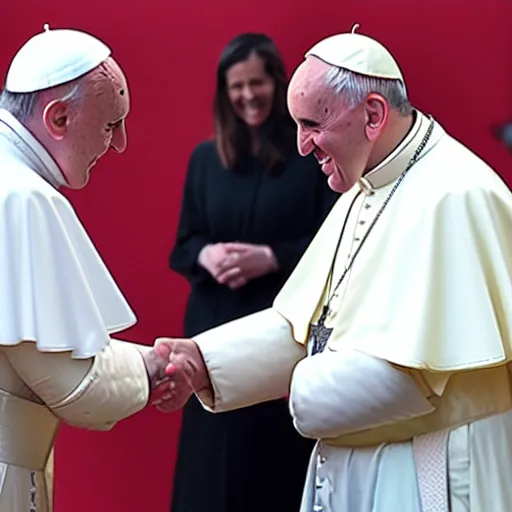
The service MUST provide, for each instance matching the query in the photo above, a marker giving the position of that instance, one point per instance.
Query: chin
(338, 185)
(76, 186)
(254, 123)
(77, 182)
(80, 186)
(75, 174)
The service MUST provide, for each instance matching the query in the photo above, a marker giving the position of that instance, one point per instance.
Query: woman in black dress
(251, 205)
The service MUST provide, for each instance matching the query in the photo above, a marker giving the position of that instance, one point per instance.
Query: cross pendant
(319, 335)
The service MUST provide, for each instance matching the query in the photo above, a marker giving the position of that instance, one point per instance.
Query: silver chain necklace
(319, 333)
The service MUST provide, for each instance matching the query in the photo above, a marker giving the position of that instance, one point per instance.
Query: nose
(248, 93)
(119, 139)
(304, 142)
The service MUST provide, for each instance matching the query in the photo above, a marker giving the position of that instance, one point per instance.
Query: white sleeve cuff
(249, 360)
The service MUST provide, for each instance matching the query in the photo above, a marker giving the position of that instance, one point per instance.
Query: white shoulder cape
(432, 286)
(55, 289)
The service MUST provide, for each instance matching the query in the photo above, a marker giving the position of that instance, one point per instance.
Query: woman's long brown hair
(232, 136)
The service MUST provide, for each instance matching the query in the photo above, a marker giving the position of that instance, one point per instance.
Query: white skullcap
(52, 58)
(357, 53)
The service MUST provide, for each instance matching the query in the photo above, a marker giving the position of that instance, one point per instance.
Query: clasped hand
(177, 370)
(234, 264)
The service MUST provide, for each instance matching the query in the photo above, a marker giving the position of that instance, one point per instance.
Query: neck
(27, 139)
(255, 141)
(37, 129)
(34, 126)
(394, 133)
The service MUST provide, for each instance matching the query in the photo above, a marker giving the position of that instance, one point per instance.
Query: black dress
(252, 459)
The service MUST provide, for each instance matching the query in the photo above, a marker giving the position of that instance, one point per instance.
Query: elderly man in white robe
(63, 106)
(393, 337)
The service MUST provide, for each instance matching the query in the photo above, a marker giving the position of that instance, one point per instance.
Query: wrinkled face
(250, 90)
(85, 129)
(327, 126)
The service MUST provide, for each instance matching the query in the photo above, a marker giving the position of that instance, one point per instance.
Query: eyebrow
(309, 123)
(117, 123)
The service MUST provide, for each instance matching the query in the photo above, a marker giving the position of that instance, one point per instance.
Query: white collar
(394, 164)
(36, 156)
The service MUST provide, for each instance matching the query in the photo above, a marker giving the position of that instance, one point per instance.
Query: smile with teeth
(324, 160)
(253, 105)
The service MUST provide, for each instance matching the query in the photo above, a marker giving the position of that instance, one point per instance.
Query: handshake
(176, 370)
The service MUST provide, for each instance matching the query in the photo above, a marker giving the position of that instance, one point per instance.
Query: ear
(377, 112)
(56, 119)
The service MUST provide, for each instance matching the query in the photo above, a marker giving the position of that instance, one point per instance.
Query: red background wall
(456, 59)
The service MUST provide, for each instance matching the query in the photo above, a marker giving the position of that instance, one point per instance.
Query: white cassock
(411, 401)
(58, 307)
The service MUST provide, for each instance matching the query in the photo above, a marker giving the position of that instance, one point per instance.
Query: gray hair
(357, 87)
(22, 105)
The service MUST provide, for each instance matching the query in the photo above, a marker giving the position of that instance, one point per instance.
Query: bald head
(108, 81)
(309, 72)
(310, 98)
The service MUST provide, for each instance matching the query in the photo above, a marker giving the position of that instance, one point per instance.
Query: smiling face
(327, 127)
(81, 131)
(250, 90)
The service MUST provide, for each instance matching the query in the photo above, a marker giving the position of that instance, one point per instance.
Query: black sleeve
(289, 252)
(192, 234)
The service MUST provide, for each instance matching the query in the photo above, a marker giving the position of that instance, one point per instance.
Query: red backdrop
(456, 59)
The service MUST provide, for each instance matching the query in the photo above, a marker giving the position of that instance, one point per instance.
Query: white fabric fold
(56, 291)
(343, 392)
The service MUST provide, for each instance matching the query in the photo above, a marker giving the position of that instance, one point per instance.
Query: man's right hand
(156, 362)
(185, 374)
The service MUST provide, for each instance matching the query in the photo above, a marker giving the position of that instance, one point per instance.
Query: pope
(64, 105)
(393, 336)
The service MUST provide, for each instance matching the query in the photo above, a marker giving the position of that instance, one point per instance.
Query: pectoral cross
(319, 334)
